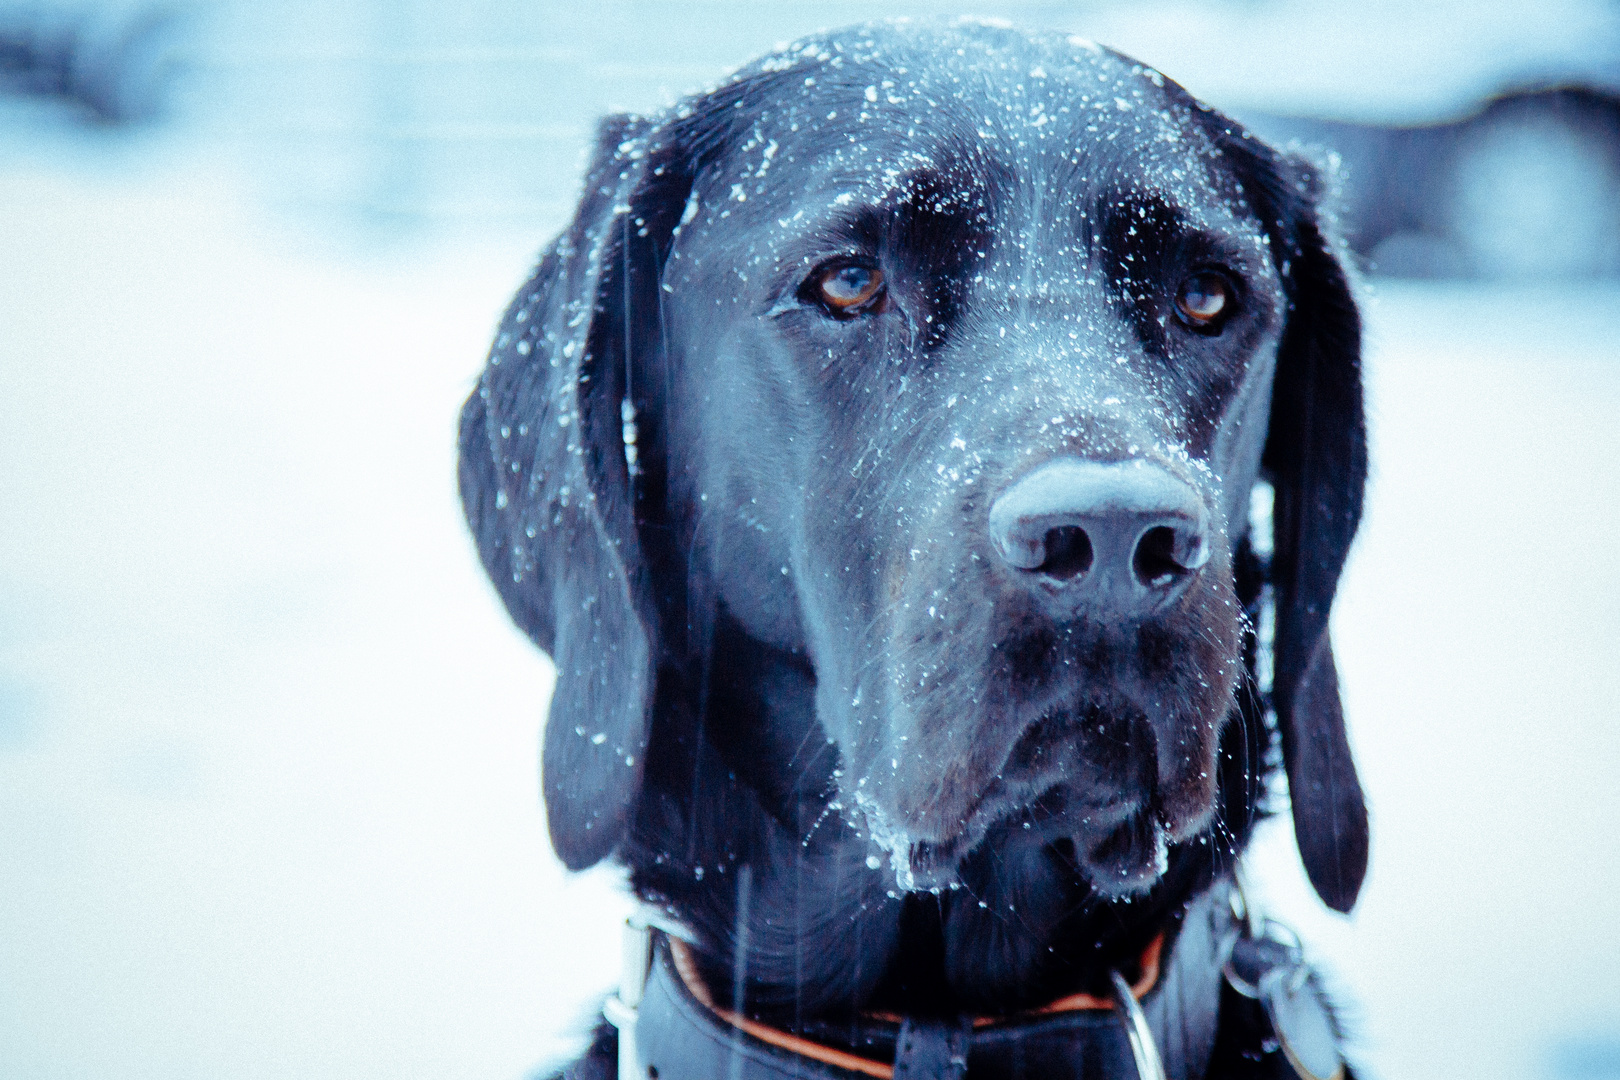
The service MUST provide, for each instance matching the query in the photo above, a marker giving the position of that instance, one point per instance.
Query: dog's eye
(1204, 300)
(850, 289)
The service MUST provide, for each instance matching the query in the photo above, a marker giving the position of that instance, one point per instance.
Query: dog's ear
(548, 478)
(1316, 459)
(561, 449)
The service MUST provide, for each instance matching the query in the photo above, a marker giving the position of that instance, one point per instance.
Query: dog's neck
(734, 836)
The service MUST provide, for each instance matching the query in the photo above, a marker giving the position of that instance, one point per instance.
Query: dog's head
(947, 358)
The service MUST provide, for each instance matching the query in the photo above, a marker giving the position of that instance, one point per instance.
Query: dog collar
(909, 1036)
(1227, 968)
(671, 1028)
(676, 1031)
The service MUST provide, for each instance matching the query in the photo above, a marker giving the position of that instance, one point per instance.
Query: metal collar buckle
(622, 1008)
(1143, 1049)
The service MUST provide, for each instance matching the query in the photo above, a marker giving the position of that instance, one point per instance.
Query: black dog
(874, 455)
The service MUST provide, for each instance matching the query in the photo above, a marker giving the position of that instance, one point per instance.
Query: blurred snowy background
(268, 792)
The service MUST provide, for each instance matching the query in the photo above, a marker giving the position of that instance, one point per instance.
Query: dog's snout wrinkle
(1122, 538)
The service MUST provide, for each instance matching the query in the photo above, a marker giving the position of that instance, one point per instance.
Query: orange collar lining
(686, 968)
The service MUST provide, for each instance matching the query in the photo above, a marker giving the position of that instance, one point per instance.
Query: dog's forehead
(876, 117)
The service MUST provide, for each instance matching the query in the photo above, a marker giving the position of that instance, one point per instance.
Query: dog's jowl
(875, 454)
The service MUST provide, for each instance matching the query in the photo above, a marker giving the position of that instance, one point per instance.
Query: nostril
(1154, 561)
(1068, 552)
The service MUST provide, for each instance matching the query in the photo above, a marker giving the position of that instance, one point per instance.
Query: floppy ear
(560, 446)
(1316, 458)
(548, 493)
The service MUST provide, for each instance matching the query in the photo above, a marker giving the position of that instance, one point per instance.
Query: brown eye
(850, 289)
(1203, 300)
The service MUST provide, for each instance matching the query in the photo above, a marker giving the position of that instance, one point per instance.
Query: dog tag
(1301, 1020)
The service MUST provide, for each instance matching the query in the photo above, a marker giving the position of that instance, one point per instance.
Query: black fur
(781, 641)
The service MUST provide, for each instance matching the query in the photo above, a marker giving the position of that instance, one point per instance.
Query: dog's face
(947, 360)
(879, 339)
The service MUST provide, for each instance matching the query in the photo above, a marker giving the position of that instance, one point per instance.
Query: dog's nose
(1122, 537)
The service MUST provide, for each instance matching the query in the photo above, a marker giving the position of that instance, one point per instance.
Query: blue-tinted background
(268, 785)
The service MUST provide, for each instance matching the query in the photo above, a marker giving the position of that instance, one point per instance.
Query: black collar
(674, 1031)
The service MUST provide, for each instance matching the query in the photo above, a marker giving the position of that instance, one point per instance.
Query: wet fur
(738, 624)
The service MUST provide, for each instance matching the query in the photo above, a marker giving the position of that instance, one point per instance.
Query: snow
(268, 789)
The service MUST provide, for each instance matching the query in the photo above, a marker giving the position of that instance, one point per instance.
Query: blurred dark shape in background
(1525, 186)
(116, 61)
(427, 119)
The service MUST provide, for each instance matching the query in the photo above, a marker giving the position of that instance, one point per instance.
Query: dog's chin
(1130, 858)
(917, 865)
(1121, 850)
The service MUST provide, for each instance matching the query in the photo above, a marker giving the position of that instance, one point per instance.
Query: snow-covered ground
(268, 792)
(268, 797)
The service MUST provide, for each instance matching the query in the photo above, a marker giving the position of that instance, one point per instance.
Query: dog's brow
(853, 228)
(869, 223)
